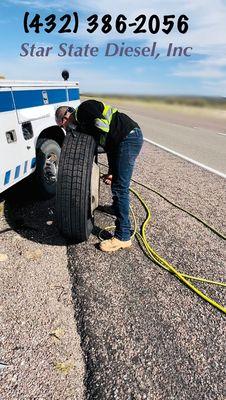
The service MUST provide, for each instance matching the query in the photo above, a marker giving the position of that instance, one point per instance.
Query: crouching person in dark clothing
(122, 140)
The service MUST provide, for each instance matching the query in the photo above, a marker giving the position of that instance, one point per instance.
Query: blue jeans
(122, 164)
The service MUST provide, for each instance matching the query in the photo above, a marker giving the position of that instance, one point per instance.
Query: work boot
(114, 244)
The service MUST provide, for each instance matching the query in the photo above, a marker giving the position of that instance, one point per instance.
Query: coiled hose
(157, 259)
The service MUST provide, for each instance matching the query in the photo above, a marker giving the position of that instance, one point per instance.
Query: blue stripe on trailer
(17, 172)
(57, 96)
(73, 94)
(34, 98)
(7, 177)
(25, 167)
(26, 99)
(33, 162)
(6, 101)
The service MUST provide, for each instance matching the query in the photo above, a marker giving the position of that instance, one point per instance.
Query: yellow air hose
(163, 263)
(155, 257)
(221, 235)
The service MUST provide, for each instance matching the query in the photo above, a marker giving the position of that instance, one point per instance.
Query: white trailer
(30, 140)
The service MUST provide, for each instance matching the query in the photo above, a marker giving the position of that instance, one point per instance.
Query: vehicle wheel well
(54, 133)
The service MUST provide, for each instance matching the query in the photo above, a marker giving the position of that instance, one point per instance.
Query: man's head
(63, 116)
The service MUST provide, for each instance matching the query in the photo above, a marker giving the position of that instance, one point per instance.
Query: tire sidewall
(73, 200)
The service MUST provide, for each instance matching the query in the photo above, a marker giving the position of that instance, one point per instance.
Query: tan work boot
(114, 244)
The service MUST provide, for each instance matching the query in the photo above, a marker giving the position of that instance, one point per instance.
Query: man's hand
(107, 179)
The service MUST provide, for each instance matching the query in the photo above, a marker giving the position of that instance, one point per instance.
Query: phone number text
(70, 23)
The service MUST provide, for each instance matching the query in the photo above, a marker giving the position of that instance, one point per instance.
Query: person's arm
(89, 111)
(89, 116)
(110, 163)
(107, 178)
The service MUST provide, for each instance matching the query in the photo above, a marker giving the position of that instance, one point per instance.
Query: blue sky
(201, 74)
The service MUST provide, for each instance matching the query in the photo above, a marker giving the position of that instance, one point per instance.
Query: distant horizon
(131, 95)
(189, 96)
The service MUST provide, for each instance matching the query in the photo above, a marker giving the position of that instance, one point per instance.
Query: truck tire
(77, 187)
(47, 162)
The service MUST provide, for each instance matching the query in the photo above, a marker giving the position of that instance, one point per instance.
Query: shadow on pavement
(31, 218)
(35, 219)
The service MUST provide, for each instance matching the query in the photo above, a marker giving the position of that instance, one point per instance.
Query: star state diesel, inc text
(110, 50)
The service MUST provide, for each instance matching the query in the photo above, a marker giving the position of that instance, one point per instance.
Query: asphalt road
(144, 335)
(200, 138)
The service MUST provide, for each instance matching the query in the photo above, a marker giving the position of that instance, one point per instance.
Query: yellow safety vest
(104, 123)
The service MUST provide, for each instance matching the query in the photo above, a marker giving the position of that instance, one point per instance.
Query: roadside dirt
(41, 356)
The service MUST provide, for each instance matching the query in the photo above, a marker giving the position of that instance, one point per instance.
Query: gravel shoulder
(41, 357)
(145, 335)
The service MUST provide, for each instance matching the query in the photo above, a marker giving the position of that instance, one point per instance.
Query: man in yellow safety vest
(122, 140)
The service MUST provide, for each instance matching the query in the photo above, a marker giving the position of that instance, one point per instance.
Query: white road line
(214, 171)
(223, 134)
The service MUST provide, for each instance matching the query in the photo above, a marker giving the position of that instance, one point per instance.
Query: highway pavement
(202, 139)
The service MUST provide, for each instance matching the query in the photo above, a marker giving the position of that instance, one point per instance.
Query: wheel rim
(94, 192)
(50, 169)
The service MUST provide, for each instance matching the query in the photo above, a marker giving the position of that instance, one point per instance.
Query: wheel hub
(50, 169)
